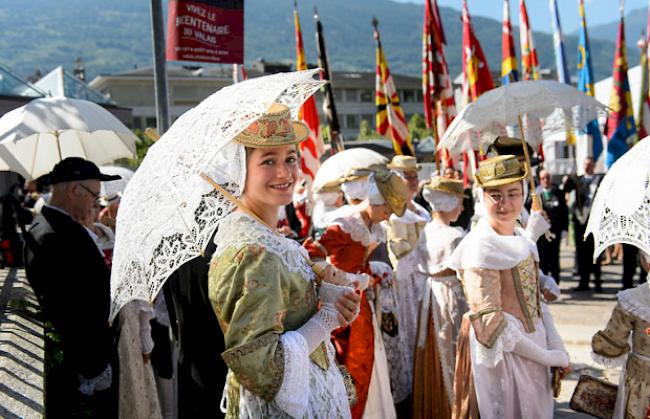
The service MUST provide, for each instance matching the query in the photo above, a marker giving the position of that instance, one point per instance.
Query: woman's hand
(348, 306)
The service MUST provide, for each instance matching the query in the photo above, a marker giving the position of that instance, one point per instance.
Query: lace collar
(484, 248)
(636, 301)
(239, 229)
(353, 224)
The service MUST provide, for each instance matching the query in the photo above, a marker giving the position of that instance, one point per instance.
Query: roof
(58, 82)
(223, 72)
(12, 85)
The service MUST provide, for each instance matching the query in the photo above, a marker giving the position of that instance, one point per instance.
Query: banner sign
(206, 30)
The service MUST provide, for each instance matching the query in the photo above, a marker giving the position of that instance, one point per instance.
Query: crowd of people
(382, 295)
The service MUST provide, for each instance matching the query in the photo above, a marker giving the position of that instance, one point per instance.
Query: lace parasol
(168, 211)
(547, 107)
(621, 209)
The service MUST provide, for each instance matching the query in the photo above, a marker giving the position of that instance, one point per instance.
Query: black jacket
(72, 283)
(554, 205)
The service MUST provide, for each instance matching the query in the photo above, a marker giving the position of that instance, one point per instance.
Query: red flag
(312, 148)
(437, 90)
(620, 120)
(643, 118)
(529, 62)
(477, 78)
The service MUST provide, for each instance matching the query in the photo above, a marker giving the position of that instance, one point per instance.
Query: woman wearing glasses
(508, 334)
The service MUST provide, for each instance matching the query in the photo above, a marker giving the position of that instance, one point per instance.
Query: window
(409, 95)
(338, 94)
(367, 96)
(352, 121)
(351, 95)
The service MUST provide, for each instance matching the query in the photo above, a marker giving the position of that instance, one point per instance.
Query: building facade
(188, 86)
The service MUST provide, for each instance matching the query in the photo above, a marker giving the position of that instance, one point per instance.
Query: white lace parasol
(548, 107)
(621, 209)
(342, 162)
(168, 212)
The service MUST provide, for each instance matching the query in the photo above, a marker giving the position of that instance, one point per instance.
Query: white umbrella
(115, 188)
(168, 211)
(539, 108)
(620, 212)
(344, 161)
(36, 136)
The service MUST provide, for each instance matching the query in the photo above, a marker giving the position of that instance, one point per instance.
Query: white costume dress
(512, 340)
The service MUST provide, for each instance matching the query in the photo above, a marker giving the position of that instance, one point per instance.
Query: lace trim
(636, 301)
(238, 230)
(608, 362)
(506, 341)
(354, 225)
(99, 383)
(293, 395)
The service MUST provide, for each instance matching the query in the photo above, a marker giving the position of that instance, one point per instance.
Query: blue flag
(558, 44)
(586, 81)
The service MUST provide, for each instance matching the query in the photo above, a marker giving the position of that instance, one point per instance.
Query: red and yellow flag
(390, 119)
(437, 90)
(529, 61)
(509, 71)
(312, 148)
(477, 78)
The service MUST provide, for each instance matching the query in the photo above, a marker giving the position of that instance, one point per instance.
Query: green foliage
(366, 131)
(141, 148)
(418, 128)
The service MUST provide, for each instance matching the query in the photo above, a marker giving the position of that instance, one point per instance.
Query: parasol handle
(536, 204)
(152, 134)
(318, 269)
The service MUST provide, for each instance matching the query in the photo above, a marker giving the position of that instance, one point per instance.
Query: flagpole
(336, 139)
(160, 71)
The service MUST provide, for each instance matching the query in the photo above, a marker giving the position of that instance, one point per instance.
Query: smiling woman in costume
(508, 334)
(278, 351)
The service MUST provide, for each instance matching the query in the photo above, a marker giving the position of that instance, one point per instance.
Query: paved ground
(578, 315)
(21, 349)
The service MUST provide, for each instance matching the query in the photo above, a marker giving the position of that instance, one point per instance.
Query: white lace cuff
(145, 316)
(490, 357)
(607, 362)
(293, 396)
(99, 383)
(536, 226)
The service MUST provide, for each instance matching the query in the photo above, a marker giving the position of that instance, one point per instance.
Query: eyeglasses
(499, 198)
(93, 194)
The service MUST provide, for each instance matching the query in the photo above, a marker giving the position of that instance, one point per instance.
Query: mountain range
(115, 35)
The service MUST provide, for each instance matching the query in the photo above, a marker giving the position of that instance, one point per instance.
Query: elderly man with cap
(71, 280)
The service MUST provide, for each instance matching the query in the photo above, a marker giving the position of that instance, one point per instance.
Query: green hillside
(114, 35)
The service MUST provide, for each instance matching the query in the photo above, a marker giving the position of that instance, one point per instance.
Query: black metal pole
(159, 69)
(336, 138)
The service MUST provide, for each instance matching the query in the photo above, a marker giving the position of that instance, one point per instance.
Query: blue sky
(597, 11)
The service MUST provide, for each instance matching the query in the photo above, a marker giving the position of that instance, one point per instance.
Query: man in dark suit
(67, 271)
(554, 205)
(585, 187)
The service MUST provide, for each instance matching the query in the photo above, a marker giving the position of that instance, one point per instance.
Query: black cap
(76, 168)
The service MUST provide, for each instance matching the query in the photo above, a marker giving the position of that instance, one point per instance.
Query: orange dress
(348, 244)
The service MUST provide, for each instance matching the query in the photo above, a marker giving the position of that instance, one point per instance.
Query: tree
(418, 128)
(366, 131)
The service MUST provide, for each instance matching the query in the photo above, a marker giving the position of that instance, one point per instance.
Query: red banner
(206, 30)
